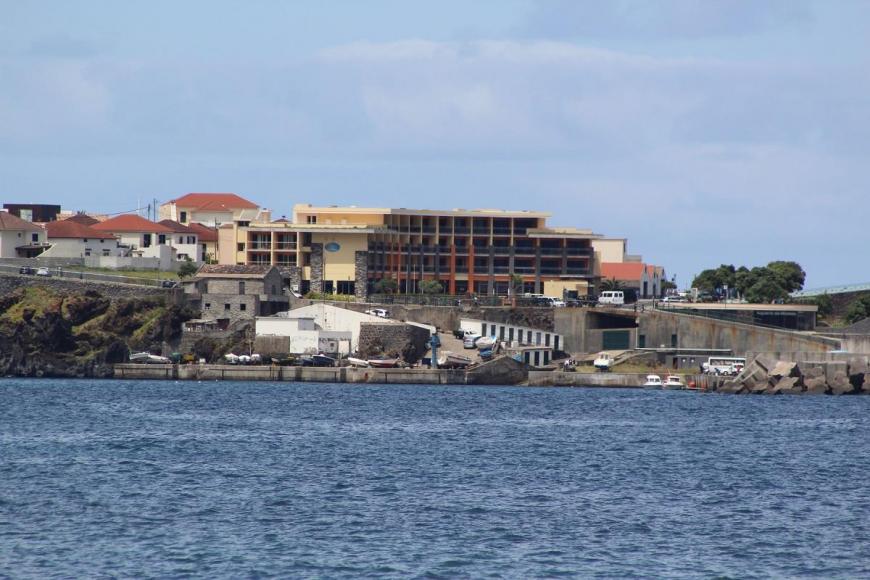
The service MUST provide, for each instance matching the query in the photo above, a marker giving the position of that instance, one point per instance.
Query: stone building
(229, 293)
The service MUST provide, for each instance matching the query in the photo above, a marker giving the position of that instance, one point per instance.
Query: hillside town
(460, 295)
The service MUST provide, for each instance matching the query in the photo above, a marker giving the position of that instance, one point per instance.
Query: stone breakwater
(767, 376)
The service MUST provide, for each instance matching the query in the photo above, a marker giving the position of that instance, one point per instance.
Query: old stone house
(230, 293)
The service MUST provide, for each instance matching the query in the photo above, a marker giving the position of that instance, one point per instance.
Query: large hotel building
(346, 250)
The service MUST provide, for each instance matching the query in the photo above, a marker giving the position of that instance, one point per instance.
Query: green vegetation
(759, 285)
(328, 296)
(610, 285)
(187, 269)
(431, 287)
(386, 286)
(859, 309)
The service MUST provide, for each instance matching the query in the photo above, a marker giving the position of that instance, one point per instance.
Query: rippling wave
(112, 478)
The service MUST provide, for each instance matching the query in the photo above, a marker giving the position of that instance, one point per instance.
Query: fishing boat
(674, 383)
(449, 360)
(231, 358)
(603, 362)
(383, 363)
(357, 362)
(486, 354)
(139, 357)
(321, 360)
(653, 382)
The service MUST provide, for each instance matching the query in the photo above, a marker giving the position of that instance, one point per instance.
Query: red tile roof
(74, 229)
(214, 201)
(176, 227)
(131, 223)
(83, 218)
(622, 270)
(13, 222)
(206, 234)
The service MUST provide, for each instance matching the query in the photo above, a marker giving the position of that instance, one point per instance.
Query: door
(615, 340)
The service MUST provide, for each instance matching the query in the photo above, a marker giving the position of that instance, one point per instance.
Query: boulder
(784, 369)
(857, 369)
(757, 388)
(788, 386)
(840, 384)
(865, 387)
(816, 385)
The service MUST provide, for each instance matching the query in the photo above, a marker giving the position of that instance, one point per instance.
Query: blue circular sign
(332, 247)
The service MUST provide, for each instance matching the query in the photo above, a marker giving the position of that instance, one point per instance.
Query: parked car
(470, 340)
(43, 272)
(26, 270)
(168, 283)
(379, 312)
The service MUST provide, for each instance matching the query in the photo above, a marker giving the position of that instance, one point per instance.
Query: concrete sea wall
(612, 380)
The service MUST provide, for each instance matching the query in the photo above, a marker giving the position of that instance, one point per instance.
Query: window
(180, 239)
(537, 339)
(87, 251)
(240, 246)
(226, 307)
(244, 224)
(161, 239)
(207, 306)
(34, 237)
(106, 252)
(673, 341)
(191, 239)
(546, 340)
(242, 287)
(312, 219)
(146, 240)
(183, 218)
(243, 306)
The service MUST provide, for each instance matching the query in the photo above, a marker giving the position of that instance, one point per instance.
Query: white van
(615, 297)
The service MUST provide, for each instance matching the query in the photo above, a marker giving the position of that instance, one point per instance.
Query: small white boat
(244, 359)
(232, 359)
(383, 363)
(485, 342)
(603, 361)
(674, 383)
(653, 382)
(357, 362)
(139, 357)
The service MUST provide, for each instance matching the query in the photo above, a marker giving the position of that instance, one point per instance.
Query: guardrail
(68, 274)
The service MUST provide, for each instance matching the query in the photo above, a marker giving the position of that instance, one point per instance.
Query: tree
(610, 285)
(713, 280)
(516, 284)
(824, 303)
(766, 288)
(668, 285)
(187, 269)
(790, 274)
(386, 286)
(431, 287)
(859, 309)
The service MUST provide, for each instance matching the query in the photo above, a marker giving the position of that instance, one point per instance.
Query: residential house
(184, 239)
(211, 209)
(208, 241)
(33, 212)
(231, 293)
(20, 238)
(645, 279)
(72, 239)
(144, 238)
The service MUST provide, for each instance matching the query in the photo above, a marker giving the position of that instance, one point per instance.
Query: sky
(704, 131)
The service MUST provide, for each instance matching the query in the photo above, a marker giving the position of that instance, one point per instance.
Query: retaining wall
(112, 290)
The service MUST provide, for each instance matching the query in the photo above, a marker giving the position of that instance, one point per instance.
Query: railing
(68, 274)
(501, 250)
(579, 251)
(577, 271)
(501, 231)
(551, 251)
(286, 246)
(434, 299)
(524, 270)
(458, 230)
(524, 250)
(260, 246)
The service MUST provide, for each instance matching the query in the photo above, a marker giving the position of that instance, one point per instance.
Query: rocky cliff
(46, 331)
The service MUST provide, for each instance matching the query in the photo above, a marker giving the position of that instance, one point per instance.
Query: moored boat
(449, 360)
(603, 362)
(485, 343)
(673, 383)
(383, 363)
(357, 362)
(321, 360)
(653, 382)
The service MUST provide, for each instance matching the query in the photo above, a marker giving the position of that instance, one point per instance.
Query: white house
(184, 239)
(72, 239)
(305, 335)
(20, 238)
(326, 318)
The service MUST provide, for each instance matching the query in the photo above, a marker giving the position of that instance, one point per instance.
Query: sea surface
(213, 480)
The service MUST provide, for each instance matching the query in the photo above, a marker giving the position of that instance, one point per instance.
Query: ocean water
(162, 479)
